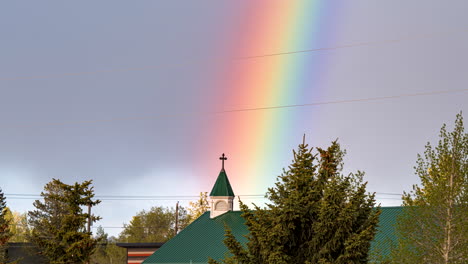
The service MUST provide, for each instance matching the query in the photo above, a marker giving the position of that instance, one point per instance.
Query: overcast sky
(104, 90)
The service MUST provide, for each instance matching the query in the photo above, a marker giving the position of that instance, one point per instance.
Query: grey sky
(44, 111)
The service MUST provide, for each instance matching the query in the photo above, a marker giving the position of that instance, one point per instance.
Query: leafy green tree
(316, 215)
(18, 226)
(183, 220)
(5, 232)
(434, 226)
(107, 252)
(59, 222)
(116, 254)
(155, 225)
(199, 207)
(100, 254)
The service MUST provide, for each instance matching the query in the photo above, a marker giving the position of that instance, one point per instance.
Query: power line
(385, 193)
(358, 44)
(131, 197)
(345, 101)
(149, 227)
(157, 197)
(379, 98)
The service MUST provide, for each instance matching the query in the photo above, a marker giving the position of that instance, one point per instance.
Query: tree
(5, 233)
(59, 223)
(18, 226)
(100, 254)
(316, 215)
(434, 226)
(155, 225)
(107, 252)
(115, 253)
(199, 207)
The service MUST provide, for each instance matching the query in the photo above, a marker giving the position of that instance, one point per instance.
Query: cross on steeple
(222, 196)
(223, 158)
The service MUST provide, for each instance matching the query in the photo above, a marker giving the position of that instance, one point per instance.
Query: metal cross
(223, 158)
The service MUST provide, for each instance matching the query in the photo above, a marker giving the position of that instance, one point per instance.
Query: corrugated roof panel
(204, 238)
(200, 240)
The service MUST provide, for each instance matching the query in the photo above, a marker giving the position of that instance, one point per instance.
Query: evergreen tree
(316, 215)
(434, 226)
(5, 232)
(59, 223)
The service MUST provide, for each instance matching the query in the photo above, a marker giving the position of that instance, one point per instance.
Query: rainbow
(254, 141)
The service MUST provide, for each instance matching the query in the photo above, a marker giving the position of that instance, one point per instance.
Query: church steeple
(222, 196)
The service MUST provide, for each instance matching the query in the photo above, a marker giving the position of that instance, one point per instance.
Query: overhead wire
(359, 44)
(344, 46)
(153, 197)
(254, 108)
(369, 43)
(191, 114)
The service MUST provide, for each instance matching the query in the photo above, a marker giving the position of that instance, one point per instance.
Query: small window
(221, 206)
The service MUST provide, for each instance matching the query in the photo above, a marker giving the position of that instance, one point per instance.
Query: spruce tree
(316, 215)
(59, 222)
(5, 232)
(434, 226)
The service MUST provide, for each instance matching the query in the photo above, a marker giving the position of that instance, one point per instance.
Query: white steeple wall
(221, 205)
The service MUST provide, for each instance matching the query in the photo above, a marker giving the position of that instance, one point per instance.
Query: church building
(203, 238)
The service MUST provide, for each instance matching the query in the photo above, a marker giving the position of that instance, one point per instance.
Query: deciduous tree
(155, 225)
(18, 226)
(199, 207)
(316, 215)
(107, 252)
(434, 226)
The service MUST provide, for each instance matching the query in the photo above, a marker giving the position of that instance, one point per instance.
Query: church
(204, 237)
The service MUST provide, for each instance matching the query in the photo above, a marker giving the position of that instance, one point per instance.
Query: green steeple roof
(222, 186)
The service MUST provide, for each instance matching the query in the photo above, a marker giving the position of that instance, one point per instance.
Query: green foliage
(113, 254)
(434, 227)
(107, 252)
(59, 222)
(199, 207)
(316, 215)
(18, 226)
(155, 225)
(5, 232)
(228, 258)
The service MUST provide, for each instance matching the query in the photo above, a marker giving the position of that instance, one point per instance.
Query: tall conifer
(5, 233)
(316, 215)
(59, 222)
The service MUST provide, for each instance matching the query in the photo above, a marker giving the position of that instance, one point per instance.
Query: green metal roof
(386, 235)
(222, 186)
(204, 238)
(201, 239)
